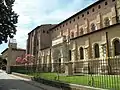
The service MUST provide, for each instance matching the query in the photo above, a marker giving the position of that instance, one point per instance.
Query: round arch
(81, 50)
(106, 22)
(96, 50)
(93, 27)
(116, 46)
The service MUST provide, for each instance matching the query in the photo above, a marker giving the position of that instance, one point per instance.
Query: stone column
(52, 60)
(99, 21)
(73, 60)
(118, 9)
(74, 56)
(65, 52)
(86, 26)
(113, 18)
(85, 64)
(76, 29)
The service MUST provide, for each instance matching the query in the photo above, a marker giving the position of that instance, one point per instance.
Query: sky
(33, 13)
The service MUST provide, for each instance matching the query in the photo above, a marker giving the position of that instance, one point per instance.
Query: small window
(63, 25)
(47, 32)
(43, 31)
(93, 9)
(82, 15)
(70, 21)
(73, 19)
(99, 7)
(87, 12)
(60, 26)
(78, 17)
(106, 3)
(113, 0)
(57, 28)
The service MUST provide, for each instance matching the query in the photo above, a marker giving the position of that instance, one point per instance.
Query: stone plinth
(68, 68)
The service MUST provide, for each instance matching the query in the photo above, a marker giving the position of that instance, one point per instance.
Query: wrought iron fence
(100, 73)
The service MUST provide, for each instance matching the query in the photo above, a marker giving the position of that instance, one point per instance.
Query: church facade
(85, 40)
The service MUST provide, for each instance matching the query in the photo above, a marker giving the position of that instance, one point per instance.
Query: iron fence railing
(100, 73)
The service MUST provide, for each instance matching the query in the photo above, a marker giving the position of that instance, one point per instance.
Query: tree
(3, 63)
(8, 20)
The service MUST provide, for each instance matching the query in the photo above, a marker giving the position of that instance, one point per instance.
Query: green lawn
(100, 81)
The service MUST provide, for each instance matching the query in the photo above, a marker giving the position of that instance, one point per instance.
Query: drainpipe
(108, 54)
(116, 12)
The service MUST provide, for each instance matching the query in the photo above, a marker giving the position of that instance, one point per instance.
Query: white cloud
(21, 37)
(35, 12)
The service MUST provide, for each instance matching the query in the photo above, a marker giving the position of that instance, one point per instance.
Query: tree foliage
(8, 20)
(3, 61)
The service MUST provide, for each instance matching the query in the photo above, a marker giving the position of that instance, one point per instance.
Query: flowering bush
(18, 60)
(26, 60)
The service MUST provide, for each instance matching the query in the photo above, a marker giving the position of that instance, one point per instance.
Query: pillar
(118, 9)
(12, 44)
(99, 21)
(86, 26)
(113, 18)
(8, 69)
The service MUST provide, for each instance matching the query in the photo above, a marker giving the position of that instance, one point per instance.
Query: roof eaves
(95, 3)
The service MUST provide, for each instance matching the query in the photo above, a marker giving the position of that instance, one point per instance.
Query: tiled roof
(17, 49)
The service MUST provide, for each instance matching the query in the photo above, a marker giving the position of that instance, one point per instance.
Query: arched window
(70, 53)
(93, 27)
(116, 47)
(81, 53)
(81, 31)
(106, 22)
(96, 51)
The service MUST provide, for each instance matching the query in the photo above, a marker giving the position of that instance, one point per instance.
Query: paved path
(11, 82)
